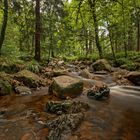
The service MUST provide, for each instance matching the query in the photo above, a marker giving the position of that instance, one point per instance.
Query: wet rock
(23, 90)
(66, 86)
(64, 125)
(60, 107)
(101, 72)
(86, 74)
(134, 77)
(98, 92)
(29, 79)
(101, 64)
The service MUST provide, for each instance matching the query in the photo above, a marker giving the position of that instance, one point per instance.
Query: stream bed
(117, 118)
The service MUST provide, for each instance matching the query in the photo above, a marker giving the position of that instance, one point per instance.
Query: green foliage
(10, 64)
(33, 66)
(92, 57)
(127, 64)
(68, 31)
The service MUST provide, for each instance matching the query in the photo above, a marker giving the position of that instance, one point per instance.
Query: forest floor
(24, 117)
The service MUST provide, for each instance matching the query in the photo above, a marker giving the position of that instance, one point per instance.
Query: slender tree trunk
(37, 31)
(92, 4)
(4, 24)
(111, 42)
(124, 30)
(138, 38)
(90, 44)
(135, 2)
(130, 40)
(86, 42)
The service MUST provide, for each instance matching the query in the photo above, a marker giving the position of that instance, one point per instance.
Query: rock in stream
(97, 92)
(72, 116)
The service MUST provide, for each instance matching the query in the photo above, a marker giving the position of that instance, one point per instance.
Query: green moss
(5, 87)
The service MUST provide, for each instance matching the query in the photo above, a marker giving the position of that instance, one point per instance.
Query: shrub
(33, 66)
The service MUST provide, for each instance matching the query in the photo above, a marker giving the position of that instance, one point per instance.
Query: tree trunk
(86, 42)
(92, 4)
(130, 40)
(124, 29)
(4, 24)
(37, 31)
(138, 23)
(111, 42)
(138, 40)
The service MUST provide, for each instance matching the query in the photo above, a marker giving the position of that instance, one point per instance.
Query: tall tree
(37, 31)
(4, 24)
(137, 12)
(92, 4)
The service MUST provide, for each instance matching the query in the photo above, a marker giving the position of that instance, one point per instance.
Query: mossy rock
(29, 79)
(101, 64)
(5, 87)
(59, 72)
(130, 66)
(5, 83)
(10, 65)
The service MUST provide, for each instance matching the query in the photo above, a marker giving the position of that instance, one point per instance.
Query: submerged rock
(71, 115)
(101, 64)
(23, 90)
(134, 77)
(66, 86)
(64, 125)
(60, 107)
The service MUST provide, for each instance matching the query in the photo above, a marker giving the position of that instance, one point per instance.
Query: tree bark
(124, 29)
(92, 4)
(111, 42)
(4, 24)
(138, 23)
(37, 31)
(138, 39)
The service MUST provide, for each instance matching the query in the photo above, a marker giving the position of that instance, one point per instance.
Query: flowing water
(117, 118)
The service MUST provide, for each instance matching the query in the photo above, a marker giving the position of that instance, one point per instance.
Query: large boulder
(101, 64)
(66, 86)
(29, 79)
(134, 77)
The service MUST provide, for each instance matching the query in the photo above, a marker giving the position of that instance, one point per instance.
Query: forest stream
(116, 118)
